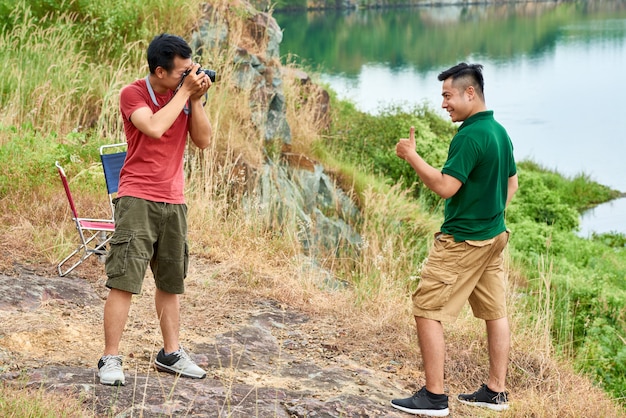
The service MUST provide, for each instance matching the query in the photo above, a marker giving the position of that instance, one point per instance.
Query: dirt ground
(262, 358)
(266, 352)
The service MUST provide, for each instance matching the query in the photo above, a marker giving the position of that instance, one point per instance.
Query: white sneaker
(179, 363)
(110, 371)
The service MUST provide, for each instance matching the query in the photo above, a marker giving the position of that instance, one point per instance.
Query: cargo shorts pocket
(117, 259)
(186, 261)
(435, 287)
(475, 252)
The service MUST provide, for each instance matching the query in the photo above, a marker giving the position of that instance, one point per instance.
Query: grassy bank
(60, 103)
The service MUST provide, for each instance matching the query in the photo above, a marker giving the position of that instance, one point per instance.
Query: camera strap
(186, 109)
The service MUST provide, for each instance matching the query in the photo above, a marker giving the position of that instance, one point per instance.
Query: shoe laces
(181, 354)
(110, 362)
(497, 397)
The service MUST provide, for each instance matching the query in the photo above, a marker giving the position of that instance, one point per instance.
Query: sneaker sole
(492, 406)
(427, 412)
(163, 368)
(112, 382)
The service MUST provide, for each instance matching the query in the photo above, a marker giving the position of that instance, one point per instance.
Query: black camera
(210, 73)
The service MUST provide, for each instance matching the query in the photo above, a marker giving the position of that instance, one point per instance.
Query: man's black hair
(163, 49)
(465, 75)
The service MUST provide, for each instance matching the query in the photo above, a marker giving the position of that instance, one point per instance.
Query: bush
(369, 141)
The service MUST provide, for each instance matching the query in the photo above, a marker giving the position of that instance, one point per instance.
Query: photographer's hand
(200, 130)
(196, 85)
(205, 85)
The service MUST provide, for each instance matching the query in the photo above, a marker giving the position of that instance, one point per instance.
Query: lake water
(553, 75)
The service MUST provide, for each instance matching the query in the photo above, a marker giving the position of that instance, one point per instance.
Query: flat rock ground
(263, 359)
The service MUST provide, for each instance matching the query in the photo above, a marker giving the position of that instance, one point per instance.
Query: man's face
(455, 102)
(172, 79)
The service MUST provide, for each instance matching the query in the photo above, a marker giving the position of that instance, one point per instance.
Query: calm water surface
(553, 75)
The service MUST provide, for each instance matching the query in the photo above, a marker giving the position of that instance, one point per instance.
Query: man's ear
(471, 93)
(160, 72)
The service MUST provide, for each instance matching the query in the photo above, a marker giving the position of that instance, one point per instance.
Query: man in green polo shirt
(465, 262)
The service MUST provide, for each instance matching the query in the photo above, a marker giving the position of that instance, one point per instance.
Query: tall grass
(18, 402)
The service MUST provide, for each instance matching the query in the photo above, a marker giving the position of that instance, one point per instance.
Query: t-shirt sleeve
(131, 99)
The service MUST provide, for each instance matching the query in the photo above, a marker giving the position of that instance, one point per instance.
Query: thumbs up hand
(406, 147)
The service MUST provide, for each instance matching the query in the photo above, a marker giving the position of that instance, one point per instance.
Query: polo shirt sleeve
(463, 156)
(512, 165)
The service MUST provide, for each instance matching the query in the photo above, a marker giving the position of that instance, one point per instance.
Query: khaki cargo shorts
(147, 232)
(456, 272)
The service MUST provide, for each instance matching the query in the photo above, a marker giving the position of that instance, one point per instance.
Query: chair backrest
(112, 157)
(66, 186)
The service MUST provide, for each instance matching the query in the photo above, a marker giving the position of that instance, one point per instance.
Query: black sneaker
(486, 398)
(179, 363)
(423, 403)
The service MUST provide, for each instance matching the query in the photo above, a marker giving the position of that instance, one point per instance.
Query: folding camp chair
(112, 157)
(94, 233)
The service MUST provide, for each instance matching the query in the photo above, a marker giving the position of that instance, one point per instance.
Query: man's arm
(156, 124)
(444, 185)
(512, 188)
(200, 129)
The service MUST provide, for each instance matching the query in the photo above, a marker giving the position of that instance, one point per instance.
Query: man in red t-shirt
(159, 113)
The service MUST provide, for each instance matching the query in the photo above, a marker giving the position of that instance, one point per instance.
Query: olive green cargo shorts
(152, 233)
(456, 272)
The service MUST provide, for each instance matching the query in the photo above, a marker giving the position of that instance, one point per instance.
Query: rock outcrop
(290, 189)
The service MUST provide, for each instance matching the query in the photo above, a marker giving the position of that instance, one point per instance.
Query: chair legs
(96, 244)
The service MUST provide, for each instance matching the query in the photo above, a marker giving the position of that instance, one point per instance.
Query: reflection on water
(550, 72)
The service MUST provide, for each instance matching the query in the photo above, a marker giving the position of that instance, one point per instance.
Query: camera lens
(210, 73)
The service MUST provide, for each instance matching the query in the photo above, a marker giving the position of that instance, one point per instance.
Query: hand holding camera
(199, 80)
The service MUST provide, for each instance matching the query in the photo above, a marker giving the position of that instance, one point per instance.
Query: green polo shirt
(481, 157)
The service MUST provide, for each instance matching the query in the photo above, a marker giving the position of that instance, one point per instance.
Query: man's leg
(499, 341)
(116, 310)
(168, 311)
(173, 358)
(433, 349)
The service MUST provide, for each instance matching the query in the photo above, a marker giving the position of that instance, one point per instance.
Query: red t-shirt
(153, 169)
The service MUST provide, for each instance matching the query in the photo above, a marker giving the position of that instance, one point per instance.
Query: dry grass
(19, 402)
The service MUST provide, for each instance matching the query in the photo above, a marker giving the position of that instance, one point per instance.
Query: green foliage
(28, 158)
(369, 141)
(603, 354)
(579, 192)
(613, 240)
(27, 161)
(593, 328)
(535, 200)
(105, 27)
